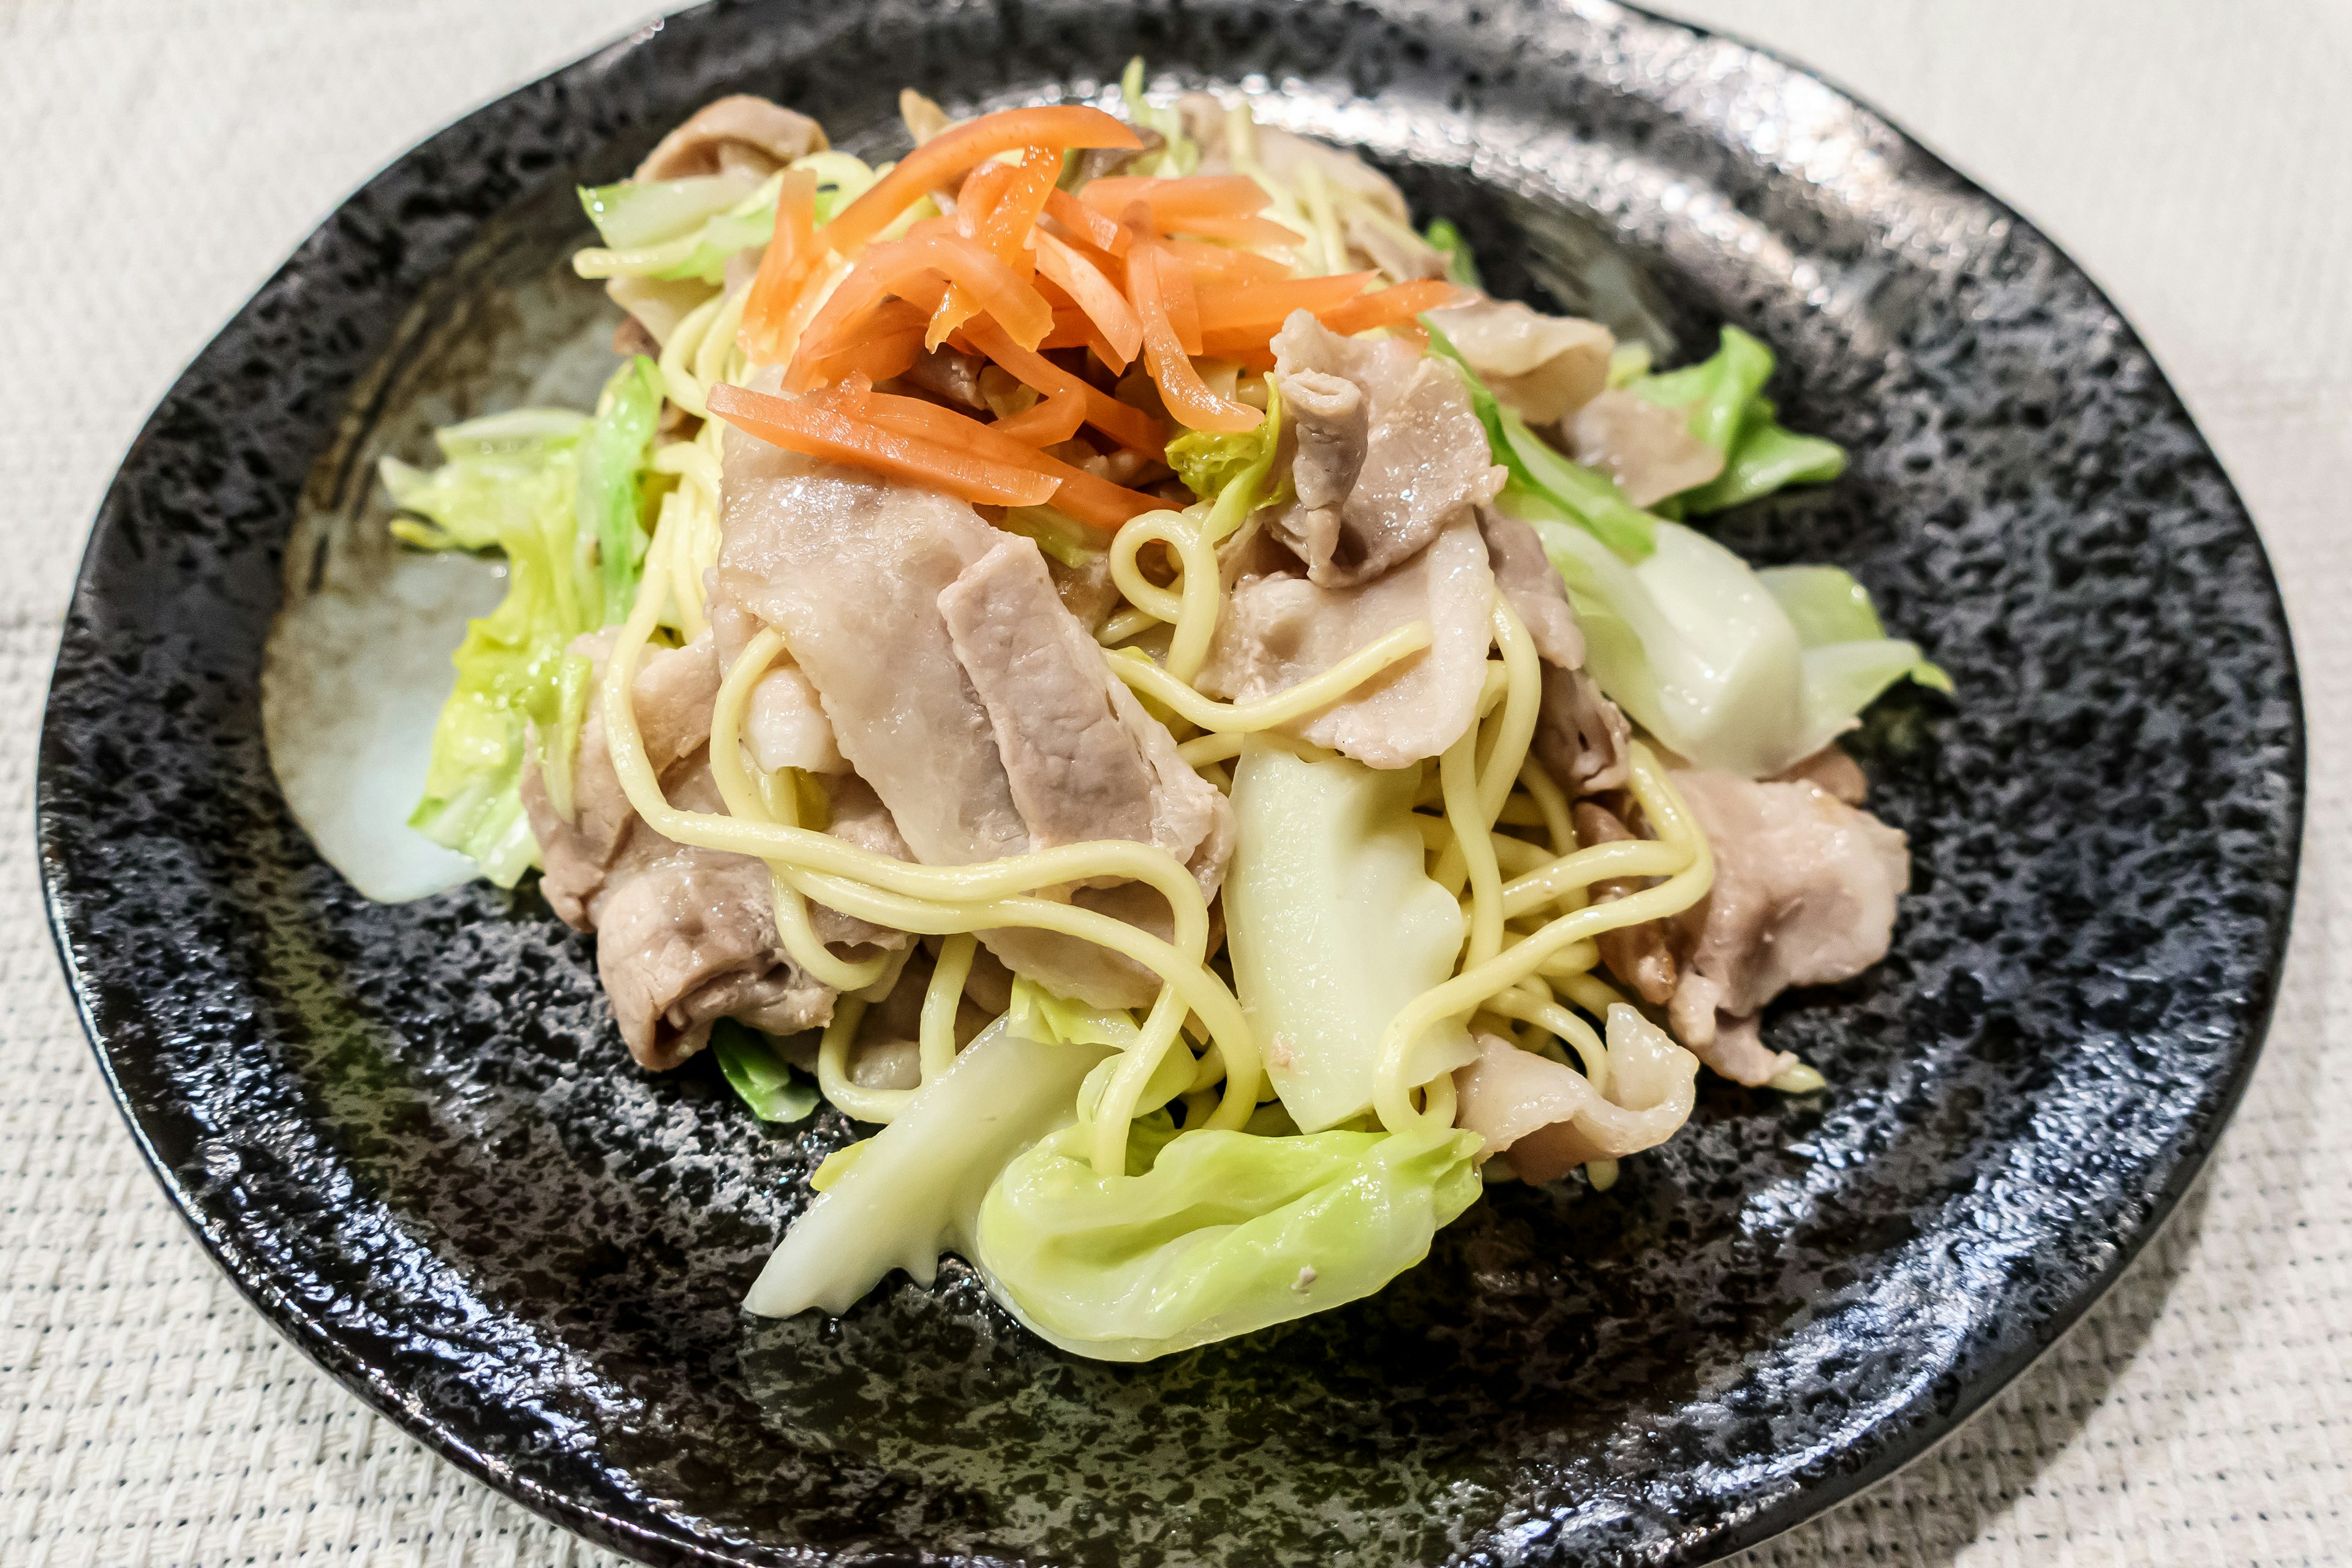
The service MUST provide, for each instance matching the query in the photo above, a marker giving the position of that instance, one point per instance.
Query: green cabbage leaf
(610, 496)
(758, 1075)
(1233, 471)
(635, 214)
(1180, 155)
(1333, 926)
(1728, 411)
(1461, 265)
(1543, 483)
(1736, 670)
(915, 1187)
(561, 496)
(1222, 1234)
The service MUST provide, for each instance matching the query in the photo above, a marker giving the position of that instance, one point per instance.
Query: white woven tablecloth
(159, 157)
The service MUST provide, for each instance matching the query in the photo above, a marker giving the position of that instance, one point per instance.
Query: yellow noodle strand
(1506, 752)
(1457, 774)
(1203, 751)
(937, 1035)
(1591, 992)
(1125, 1091)
(678, 356)
(1294, 702)
(1512, 1002)
(833, 1082)
(1550, 805)
(1622, 857)
(744, 799)
(945, 900)
(1463, 994)
(1193, 605)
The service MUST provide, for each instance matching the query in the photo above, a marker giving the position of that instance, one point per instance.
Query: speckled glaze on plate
(411, 1136)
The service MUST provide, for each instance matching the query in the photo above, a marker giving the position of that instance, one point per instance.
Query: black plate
(412, 1137)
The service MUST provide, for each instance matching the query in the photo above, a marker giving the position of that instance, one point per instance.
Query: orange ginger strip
(1002, 225)
(1086, 497)
(1188, 397)
(1091, 289)
(784, 267)
(1182, 298)
(894, 269)
(1099, 229)
(1250, 306)
(828, 427)
(1389, 306)
(1051, 420)
(1259, 231)
(1193, 196)
(1128, 426)
(938, 162)
(1222, 265)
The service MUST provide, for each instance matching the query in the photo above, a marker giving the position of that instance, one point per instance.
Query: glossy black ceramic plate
(411, 1136)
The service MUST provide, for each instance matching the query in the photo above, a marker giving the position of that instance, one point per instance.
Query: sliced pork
(738, 132)
(1389, 451)
(1581, 737)
(1528, 579)
(849, 568)
(1640, 956)
(687, 936)
(1804, 894)
(957, 686)
(1648, 451)
(1547, 367)
(684, 936)
(1834, 771)
(1547, 1119)
(785, 727)
(1401, 255)
(1280, 629)
(1082, 757)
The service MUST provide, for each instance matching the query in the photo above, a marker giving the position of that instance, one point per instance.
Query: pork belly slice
(738, 132)
(1580, 736)
(684, 936)
(1804, 894)
(1280, 629)
(1388, 451)
(1082, 757)
(1648, 451)
(1546, 367)
(1548, 1118)
(960, 688)
(849, 567)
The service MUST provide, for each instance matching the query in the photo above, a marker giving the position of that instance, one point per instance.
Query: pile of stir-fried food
(1099, 650)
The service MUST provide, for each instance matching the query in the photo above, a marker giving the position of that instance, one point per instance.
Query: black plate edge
(1911, 1435)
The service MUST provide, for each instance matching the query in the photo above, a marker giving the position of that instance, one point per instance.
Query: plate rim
(1897, 1448)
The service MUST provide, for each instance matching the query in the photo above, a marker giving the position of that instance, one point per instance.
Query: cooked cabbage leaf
(1235, 471)
(1461, 265)
(611, 496)
(560, 495)
(1706, 653)
(1333, 926)
(1223, 1233)
(1037, 1014)
(1728, 411)
(1544, 483)
(635, 214)
(1181, 155)
(763, 1079)
(916, 1185)
(700, 250)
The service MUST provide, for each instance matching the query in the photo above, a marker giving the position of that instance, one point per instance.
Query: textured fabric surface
(163, 155)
